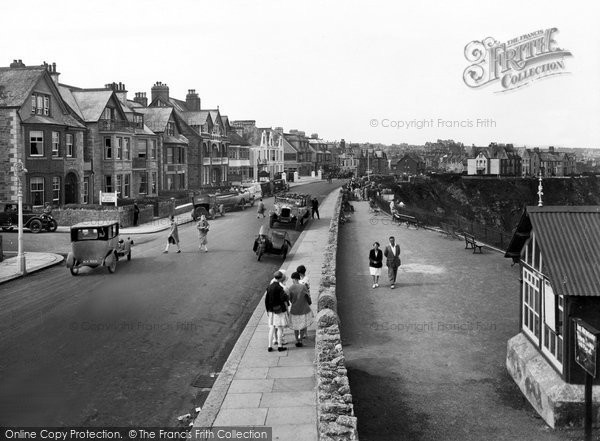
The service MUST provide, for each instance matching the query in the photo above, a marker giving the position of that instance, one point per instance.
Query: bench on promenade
(470, 242)
(449, 230)
(404, 218)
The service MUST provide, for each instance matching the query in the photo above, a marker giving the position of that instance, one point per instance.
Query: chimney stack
(160, 90)
(119, 90)
(53, 73)
(192, 100)
(140, 98)
(17, 63)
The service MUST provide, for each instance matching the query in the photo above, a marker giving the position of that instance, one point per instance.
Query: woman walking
(203, 228)
(375, 263)
(173, 237)
(276, 300)
(301, 315)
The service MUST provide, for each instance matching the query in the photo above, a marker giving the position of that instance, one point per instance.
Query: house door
(71, 191)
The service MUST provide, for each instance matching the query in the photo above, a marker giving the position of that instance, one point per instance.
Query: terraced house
(39, 128)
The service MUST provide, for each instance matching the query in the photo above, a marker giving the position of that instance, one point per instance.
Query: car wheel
(35, 226)
(52, 226)
(74, 269)
(129, 255)
(113, 265)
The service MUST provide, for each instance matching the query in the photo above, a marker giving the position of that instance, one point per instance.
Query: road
(124, 349)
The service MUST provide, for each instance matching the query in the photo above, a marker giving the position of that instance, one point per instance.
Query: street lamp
(19, 171)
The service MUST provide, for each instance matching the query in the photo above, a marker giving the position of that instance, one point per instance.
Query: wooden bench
(470, 242)
(404, 218)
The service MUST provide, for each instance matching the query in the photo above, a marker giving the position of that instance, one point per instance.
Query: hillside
(494, 202)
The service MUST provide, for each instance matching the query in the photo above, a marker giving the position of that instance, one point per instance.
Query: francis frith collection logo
(516, 63)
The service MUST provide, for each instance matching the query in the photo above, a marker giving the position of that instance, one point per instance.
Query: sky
(380, 72)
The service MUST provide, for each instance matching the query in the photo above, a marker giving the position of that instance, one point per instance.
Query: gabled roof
(196, 118)
(287, 147)
(92, 102)
(235, 139)
(16, 84)
(156, 118)
(569, 241)
(178, 104)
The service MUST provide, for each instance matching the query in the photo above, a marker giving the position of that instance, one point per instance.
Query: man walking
(315, 208)
(261, 209)
(392, 256)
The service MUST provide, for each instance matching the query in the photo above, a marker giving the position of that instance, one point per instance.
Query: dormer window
(40, 104)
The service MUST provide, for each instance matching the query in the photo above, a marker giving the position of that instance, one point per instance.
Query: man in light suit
(392, 256)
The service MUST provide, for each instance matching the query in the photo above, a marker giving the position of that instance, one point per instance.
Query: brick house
(40, 129)
(169, 126)
(207, 134)
(409, 164)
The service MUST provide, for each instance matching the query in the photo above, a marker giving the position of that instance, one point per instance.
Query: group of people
(392, 261)
(288, 306)
(173, 238)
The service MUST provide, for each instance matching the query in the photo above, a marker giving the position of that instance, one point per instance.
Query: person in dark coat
(392, 256)
(315, 208)
(276, 300)
(375, 263)
(136, 213)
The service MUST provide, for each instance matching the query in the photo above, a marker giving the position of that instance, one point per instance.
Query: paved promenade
(427, 360)
(277, 389)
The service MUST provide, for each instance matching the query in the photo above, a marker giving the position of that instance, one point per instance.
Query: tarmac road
(123, 349)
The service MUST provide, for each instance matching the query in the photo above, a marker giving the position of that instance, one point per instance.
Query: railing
(107, 125)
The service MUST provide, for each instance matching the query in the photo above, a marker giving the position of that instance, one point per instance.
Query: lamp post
(19, 170)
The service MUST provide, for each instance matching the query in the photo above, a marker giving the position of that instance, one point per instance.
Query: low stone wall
(72, 216)
(335, 411)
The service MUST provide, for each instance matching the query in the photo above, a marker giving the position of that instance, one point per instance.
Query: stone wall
(335, 411)
(72, 216)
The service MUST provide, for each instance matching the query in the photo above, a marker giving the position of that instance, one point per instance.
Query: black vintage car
(35, 221)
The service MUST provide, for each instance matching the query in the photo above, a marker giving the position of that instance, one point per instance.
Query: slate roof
(67, 95)
(196, 118)
(16, 84)
(92, 102)
(235, 139)
(156, 118)
(60, 120)
(569, 241)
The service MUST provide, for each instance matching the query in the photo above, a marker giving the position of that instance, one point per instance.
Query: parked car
(254, 189)
(96, 244)
(290, 208)
(206, 204)
(35, 221)
(234, 199)
(280, 185)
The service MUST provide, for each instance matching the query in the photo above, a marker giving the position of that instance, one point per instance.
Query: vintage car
(206, 204)
(234, 199)
(96, 244)
(35, 221)
(290, 208)
(280, 185)
(254, 189)
(271, 242)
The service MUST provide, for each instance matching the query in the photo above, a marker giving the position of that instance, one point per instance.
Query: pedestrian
(375, 263)
(301, 315)
(301, 270)
(276, 300)
(315, 208)
(173, 237)
(392, 256)
(203, 228)
(261, 209)
(136, 213)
